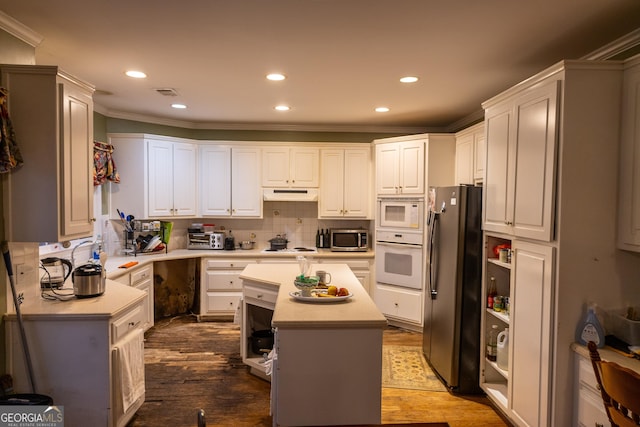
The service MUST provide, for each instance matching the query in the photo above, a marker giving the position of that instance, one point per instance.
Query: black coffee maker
(229, 242)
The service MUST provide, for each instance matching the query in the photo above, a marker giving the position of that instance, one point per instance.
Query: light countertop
(116, 299)
(119, 297)
(357, 311)
(113, 263)
(610, 355)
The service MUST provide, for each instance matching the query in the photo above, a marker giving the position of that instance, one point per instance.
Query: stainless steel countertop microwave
(349, 240)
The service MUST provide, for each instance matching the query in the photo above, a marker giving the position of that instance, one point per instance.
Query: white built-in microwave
(401, 214)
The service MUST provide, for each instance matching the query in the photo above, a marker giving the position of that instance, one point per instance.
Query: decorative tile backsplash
(297, 220)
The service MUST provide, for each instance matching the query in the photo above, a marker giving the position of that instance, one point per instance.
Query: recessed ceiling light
(382, 109)
(409, 79)
(282, 107)
(179, 106)
(276, 76)
(136, 74)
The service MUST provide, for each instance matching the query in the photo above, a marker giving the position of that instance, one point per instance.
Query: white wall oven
(401, 214)
(399, 242)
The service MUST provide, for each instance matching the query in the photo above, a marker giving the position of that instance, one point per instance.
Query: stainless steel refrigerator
(451, 335)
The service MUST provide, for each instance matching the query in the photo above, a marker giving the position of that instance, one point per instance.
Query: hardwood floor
(191, 366)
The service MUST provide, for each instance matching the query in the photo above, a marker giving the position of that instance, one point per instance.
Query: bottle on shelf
(590, 329)
(327, 239)
(318, 238)
(321, 239)
(502, 357)
(492, 344)
(492, 291)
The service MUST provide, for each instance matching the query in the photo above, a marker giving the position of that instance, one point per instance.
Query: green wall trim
(112, 125)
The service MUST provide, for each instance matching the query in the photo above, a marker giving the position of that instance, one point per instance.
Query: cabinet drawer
(260, 294)
(226, 263)
(591, 410)
(141, 274)
(218, 302)
(397, 302)
(129, 321)
(586, 376)
(125, 279)
(223, 280)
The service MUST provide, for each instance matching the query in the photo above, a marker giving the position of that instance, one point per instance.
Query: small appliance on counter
(229, 242)
(201, 236)
(348, 240)
(56, 272)
(89, 280)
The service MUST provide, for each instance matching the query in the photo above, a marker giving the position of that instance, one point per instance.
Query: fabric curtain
(10, 156)
(104, 168)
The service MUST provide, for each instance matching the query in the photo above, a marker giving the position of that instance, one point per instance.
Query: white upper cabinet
(246, 194)
(344, 183)
(158, 176)
(172, 178)
(284, 167)
(629, 195)
(520, 168)
(230, 181)
(400, 168)
(215, 180)
(470, 155)
(52, 116)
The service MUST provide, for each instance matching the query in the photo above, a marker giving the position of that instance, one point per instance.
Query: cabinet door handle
(133, 324)
(259, 296)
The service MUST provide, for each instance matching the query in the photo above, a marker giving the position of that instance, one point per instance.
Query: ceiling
(342, 58)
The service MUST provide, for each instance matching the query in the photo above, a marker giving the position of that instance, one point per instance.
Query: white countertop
(611, 355)
(119, 297)
(116, 298)
(357, 311)
(113, 263)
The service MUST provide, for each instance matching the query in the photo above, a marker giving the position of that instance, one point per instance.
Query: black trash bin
(31, 399)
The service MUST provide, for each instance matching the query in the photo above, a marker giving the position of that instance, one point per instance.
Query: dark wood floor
(191, 366)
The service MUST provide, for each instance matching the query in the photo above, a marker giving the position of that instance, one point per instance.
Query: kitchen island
(327, 359)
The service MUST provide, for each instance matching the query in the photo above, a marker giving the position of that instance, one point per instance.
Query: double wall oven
(399, 242)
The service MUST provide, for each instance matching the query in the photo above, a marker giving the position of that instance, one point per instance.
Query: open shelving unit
(494, 380)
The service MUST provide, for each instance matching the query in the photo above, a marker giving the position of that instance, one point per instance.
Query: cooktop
(291, 250)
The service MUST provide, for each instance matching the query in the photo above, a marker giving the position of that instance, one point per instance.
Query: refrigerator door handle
(431, 274)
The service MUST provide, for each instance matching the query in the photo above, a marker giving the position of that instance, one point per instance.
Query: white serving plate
(315, 299)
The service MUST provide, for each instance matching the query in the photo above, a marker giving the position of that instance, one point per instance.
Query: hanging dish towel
(10, 156)
(131, 357)
(104, 167)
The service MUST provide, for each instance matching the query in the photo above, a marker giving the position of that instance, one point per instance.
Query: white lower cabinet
(361, 268)
(399, 303)
(77, 359)
(142, 278)
(221, 287)
(588, 407)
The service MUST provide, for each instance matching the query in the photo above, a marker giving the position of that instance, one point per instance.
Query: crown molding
(616, 47)
(19, 30)
(262, 126)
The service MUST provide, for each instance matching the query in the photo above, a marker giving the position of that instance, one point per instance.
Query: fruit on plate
(343, 292)
(324, 295)
(332, 290)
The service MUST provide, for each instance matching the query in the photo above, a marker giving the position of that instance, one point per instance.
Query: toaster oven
(206, 241)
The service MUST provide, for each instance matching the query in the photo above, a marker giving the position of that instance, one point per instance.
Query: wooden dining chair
(620, 390)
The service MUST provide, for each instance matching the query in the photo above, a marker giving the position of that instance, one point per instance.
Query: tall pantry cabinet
(629, 197)
(52, 116)
(549, 187)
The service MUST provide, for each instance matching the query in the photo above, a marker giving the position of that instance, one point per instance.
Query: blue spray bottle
(590, 329)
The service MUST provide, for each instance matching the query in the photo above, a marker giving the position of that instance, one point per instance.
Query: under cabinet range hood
(290, 195)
